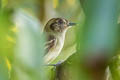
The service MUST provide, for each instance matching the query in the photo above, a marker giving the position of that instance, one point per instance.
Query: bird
(55, 30)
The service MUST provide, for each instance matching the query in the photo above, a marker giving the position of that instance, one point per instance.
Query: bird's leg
(55, 65)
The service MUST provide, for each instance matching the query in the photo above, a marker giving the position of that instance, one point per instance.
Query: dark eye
(60, 21)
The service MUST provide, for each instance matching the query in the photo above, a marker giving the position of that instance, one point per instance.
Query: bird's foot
(55, 65)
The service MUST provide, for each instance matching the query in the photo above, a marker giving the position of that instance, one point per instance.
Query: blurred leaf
(4, 3)
(100, 31)
(115, 67)
(30, 48)
(6, 44)
(6, 47)
(8, 64)
(55, 3)
(71, 2)
(0, 4)
(4, 75)
(98, 40)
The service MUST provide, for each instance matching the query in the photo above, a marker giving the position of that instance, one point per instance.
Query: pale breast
(55, 50)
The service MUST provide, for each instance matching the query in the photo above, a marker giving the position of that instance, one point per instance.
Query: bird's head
(58, 25)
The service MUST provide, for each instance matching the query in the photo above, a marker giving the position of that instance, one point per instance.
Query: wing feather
(50, 43)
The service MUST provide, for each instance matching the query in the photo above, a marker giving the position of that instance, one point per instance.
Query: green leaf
(30, 48)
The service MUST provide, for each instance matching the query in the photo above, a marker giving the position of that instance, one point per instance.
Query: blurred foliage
(22, 44)
(30, 48)
(6, 43)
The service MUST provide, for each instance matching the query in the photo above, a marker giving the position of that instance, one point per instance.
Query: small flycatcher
(55, 30)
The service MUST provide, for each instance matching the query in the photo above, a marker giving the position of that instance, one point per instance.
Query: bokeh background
(91, 50)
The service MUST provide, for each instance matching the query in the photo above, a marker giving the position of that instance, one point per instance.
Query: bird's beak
(71, 24)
